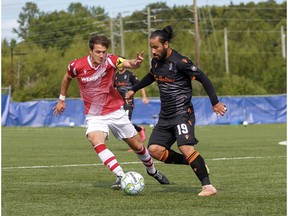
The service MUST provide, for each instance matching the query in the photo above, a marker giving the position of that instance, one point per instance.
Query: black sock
(138, 129)
(175, 158)
(199, 168)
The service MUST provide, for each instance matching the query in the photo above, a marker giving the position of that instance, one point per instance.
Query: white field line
(100, 164)
(283, 143)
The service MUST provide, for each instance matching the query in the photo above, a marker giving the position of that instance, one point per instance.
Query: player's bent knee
(156, 151)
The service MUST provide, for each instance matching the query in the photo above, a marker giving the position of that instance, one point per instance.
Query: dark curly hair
(166, 34)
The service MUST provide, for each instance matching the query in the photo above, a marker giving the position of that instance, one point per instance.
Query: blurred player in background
(104, 105)
(174, 74)
(124, 80)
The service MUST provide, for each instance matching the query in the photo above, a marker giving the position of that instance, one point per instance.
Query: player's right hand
(145, 100)
(59, 108)
(129, 96)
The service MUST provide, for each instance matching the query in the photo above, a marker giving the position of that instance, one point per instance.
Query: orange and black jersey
(124, 82)
(174, 76)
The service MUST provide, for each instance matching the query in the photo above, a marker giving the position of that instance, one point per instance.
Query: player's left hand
(220, 108)
(139, 59)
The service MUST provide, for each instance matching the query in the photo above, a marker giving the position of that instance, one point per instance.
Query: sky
(10, 9)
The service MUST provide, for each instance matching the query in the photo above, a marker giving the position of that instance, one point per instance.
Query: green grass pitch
(55, 171)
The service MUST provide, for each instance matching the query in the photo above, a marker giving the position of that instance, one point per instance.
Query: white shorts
(118, 122)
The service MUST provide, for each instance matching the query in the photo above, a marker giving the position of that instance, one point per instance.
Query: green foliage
(6, 76)
(237, 85)
(26, 17)
(35, 66)
(39, 76)
(275, 77)
(57, 29)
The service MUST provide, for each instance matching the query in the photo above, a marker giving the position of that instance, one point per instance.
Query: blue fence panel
(266, 110)
(5, 101)
(253, 109)
(40, 113)
(146, 113)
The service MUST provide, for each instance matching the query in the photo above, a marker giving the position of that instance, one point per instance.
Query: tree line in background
(253, 50)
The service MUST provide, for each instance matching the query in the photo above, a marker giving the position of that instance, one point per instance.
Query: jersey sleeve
(195, 73)
(147, 80)
(116, 61)
(205, 81)
(71, 70)
(113, 60)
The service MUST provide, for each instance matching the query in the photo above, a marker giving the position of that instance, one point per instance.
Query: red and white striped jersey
(96, 84)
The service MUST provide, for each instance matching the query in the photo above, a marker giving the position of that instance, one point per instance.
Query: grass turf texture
(55, 171)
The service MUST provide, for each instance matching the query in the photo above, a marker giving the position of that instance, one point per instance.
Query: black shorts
(129, 108)
(180, 129)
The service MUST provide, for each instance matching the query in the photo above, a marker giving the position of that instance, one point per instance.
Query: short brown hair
(99, 39)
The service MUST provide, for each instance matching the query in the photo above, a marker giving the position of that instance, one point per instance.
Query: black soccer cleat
(117, 184)
(159, 177)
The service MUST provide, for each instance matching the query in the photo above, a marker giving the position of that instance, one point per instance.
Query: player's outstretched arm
(218, 107)
(134, 63)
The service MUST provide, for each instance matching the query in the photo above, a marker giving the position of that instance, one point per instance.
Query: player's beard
(163, 55)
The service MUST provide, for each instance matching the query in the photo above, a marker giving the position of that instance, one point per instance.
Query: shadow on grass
(153, 188)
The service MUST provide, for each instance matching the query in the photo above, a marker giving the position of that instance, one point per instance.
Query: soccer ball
(245, 123)
(132, 183)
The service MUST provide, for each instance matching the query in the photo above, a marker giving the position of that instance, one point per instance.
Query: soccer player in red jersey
(174, 73)
(104, 105)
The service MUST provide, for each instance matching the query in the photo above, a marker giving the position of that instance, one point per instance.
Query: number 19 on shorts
(182, 129)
